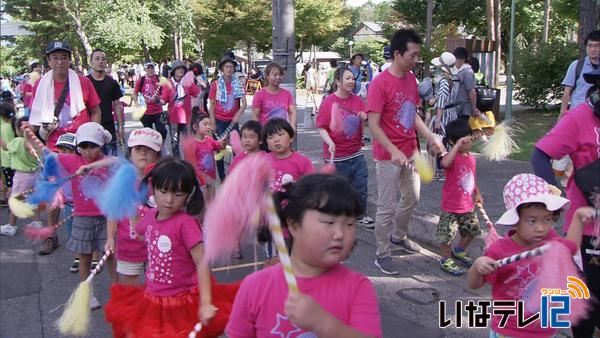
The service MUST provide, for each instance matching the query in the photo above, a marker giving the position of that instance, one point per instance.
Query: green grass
(533, 124)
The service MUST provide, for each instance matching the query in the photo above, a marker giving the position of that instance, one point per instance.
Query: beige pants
(393, 214)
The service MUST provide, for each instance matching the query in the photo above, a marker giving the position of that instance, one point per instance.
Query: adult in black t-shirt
(109, 93)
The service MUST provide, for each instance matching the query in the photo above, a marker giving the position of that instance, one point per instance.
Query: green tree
(317, 21)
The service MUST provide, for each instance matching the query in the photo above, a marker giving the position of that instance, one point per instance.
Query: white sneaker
(8, 230)
(94, 303)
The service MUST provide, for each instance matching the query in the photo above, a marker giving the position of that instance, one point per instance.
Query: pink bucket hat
(147, 137)
(528, 188)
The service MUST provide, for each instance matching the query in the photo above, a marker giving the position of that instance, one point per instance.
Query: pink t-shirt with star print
(171, 268)
(85, 187)
(258, 310)
(395, 99)
(205, 156)
(514, 281)
(289, 169)
(458, 189)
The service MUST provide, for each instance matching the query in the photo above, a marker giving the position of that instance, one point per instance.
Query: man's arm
(564, 102)
(95, 114)
(374, 126)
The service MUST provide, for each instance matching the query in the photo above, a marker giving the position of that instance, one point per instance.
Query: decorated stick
(197, 329)
(492, 236)
(75, 320)
(36, 233)
(525, 254)
(225, 132)
(284, 257)
(329, 168)
(27, 129)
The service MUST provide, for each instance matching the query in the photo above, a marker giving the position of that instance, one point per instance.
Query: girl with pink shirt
(273, 101)
(179, 99)
(459, 195)
(179, 288)
(144, 146)
(204, 147)
(340, 122)
(333, 301)
(532, 209)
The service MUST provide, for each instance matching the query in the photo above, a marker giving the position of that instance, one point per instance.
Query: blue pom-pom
(44, 191)
(121, 195)
(52, 167)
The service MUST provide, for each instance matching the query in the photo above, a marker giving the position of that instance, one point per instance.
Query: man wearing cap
(466, 99)
(355, 63)
(150, 88)
(577, 135)
(393, 120)
(387, 55)
(109, 92)
(226, 102)
(62, 100)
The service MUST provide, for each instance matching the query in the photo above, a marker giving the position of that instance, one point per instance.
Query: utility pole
(284, 42)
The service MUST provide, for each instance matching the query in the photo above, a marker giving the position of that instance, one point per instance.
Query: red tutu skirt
(132, 312)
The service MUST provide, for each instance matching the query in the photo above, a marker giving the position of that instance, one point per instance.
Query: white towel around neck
(42, 107)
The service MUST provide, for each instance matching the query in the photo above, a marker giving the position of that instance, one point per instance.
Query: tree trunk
(76, 16)
(546, 21)
(588, 21)
(489, 6)
(176, 55)
(146, 51)
(180, 42)
(498, 39)
(429, 24)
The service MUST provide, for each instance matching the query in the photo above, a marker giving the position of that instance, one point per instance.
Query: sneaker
(94, 265)
(387, 265)
(75, 266)
(94, 303)
(449, 265)
(8, 230)
(48, 246)
(407, 245)
(366, 222)
(462, 256)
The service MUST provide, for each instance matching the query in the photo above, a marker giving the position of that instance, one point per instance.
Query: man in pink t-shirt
(58, 54)
(392, 110)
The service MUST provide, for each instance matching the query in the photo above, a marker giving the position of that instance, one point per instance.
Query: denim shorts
(88, 234)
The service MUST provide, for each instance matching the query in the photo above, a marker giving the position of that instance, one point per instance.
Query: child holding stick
(320, 212)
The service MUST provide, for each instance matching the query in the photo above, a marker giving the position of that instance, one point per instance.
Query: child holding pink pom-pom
(532, 209)
(333, 301)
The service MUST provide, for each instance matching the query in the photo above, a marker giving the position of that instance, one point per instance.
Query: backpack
(144, 78)
(454, 87)
(486, 97)
(578, 70)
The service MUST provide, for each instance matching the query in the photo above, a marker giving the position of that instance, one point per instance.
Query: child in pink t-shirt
(144, 146)
(89, 224)
(288, 165)
(179, 288)
(340, 122)
(459, 195)
(273, 101)
(532, 209)
(333, 301)
(251, 131)
(204, 147)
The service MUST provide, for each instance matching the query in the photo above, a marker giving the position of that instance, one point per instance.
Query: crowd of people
(78, 121)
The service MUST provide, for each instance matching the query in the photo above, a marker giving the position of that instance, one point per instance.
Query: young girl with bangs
(333, 301)
(179, 289)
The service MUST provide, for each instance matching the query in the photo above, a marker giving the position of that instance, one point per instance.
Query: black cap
(226, 59)
(387, 52)
(58, 45)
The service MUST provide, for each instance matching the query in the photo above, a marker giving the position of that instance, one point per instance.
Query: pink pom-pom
(188, 79)
(336, 124)
(59, 201)
(236, 142)
(232, 215)
(37, 233)
(557, 265)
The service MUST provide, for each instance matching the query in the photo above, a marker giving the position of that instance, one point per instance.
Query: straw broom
(75, 320)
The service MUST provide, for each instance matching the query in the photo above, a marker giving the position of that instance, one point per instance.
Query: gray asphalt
(33, 287)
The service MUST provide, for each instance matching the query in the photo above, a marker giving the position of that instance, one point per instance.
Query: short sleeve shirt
(467, 82)
(578, 96)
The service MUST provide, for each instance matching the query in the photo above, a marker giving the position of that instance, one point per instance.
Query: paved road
(33, 288)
